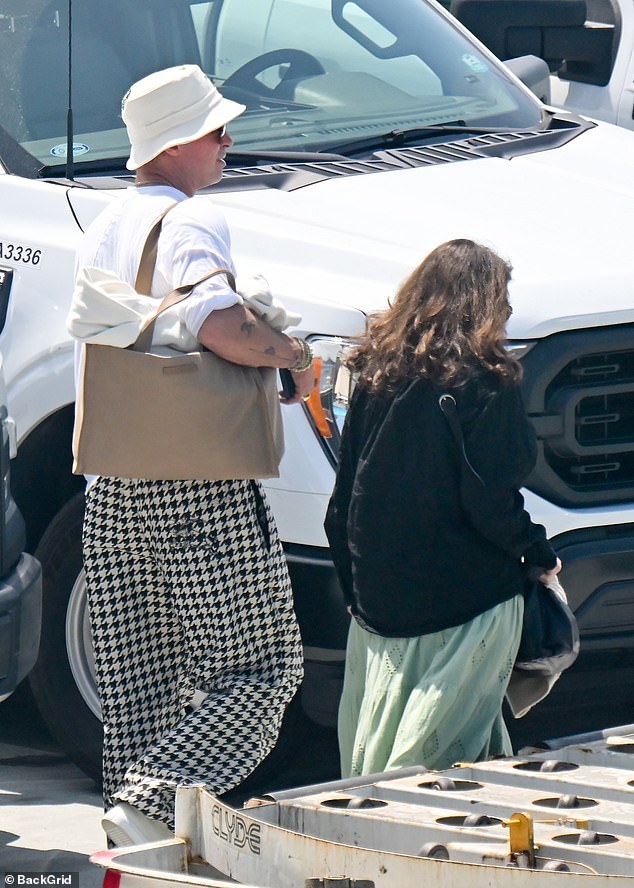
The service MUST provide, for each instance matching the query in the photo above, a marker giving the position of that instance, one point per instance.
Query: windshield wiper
(248, 157)
(400, 137)
(338, 152)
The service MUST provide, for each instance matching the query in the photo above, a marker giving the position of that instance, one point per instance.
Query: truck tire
(62, 681)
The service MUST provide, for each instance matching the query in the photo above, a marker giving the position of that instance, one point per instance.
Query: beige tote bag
(176, 416)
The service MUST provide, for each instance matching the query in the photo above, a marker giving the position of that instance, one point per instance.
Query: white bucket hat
(172, 107)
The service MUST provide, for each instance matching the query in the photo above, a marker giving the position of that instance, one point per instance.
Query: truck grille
(579, 392)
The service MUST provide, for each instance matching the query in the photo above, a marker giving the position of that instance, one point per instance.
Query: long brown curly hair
(446, 323)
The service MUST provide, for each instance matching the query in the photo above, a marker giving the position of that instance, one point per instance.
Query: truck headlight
(327, 404)
(518, 349)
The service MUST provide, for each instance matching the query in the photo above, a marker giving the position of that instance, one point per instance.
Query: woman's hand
(549, 575)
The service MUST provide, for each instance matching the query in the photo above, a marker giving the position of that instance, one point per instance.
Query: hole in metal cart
(356, 803)
(470, 821)
(566, 801)
(586, 837)
(446, 784)
(546, 767)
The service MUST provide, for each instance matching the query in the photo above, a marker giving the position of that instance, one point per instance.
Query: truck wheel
(62, 681)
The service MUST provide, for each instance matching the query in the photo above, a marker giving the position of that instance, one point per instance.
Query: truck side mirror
(576, 38)
(534, 73)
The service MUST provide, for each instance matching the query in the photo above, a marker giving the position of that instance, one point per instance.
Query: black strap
(447, 404)
(261, 514)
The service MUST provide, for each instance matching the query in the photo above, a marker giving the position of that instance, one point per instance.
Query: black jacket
(418, 542)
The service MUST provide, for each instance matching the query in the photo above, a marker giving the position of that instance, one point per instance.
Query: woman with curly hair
(432, 543)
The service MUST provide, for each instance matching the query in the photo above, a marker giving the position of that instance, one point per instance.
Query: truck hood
(562, 217)
(337, 249)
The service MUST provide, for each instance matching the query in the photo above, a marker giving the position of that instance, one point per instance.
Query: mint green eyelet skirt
(430, 700)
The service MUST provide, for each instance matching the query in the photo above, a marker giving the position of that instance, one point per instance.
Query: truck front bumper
(598, 575)
(20, 622)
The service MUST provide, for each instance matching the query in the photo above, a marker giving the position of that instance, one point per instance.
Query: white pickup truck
(20, 572)
(587, 44)
(374, 131)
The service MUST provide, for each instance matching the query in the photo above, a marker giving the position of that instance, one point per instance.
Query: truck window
(311, 72)
(338, 50)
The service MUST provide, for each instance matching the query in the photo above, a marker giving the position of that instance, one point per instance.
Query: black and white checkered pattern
(186, 594)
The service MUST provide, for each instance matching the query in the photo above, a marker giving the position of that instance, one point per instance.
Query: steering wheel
(300, 64)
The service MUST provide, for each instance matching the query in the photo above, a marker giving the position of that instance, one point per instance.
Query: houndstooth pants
(188, 590)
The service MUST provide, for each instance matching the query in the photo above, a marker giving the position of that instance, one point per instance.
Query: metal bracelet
(305, 359)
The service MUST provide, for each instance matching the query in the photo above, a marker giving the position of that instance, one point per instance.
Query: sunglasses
(220, 133)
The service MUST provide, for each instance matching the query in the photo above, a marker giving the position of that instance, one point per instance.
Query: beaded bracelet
(305, 359)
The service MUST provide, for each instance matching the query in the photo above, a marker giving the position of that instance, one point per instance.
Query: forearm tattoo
(247, 327)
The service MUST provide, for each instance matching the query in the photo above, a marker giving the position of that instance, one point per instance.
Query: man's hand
(304, 383)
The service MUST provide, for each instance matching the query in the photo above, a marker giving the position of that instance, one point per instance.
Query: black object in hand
(288, 383)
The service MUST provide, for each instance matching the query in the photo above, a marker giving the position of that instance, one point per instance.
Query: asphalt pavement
(50, 811)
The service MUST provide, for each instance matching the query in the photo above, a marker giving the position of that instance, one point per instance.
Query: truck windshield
(314, 74)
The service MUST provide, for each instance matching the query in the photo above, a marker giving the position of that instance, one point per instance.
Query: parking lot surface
(49, 811)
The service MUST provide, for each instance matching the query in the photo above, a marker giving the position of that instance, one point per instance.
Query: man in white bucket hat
(173, 107)
(196, 643)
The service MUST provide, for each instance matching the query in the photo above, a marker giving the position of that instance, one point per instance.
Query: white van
(374, 131)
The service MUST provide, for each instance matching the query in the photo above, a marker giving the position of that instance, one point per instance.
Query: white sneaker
(125, 825)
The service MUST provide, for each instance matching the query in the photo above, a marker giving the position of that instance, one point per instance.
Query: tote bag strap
(144, 339)
(147, 264)
(145, 271)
